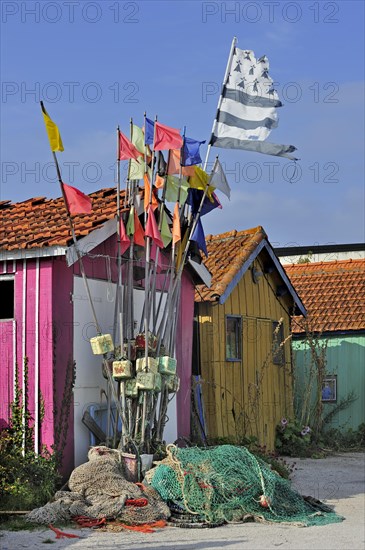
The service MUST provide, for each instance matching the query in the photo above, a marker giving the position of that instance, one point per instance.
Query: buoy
(265, 501)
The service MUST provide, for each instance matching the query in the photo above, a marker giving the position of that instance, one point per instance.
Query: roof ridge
(234, 233)
(328, 263)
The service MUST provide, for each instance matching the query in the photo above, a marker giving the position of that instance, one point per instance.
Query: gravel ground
(338, 481)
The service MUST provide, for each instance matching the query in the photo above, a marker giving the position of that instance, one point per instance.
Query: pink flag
(152, 229)
(124, 239)
(126, 149)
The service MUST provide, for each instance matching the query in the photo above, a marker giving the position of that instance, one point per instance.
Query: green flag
(172, 187)
(130, 223)
(165, 230)
(136, 169)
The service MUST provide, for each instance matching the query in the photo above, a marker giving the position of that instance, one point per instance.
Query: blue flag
(191, 153)
(199, 237)
(194, 200)
(148, 131)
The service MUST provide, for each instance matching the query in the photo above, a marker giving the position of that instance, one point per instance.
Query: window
(233, 338)
(329, 389)
(278, 351)
(6, 297)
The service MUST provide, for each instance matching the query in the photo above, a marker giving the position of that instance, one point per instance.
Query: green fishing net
(229, 484)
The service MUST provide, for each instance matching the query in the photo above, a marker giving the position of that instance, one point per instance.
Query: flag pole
(225, 79)
(164, 325)
(121, 385)
(147, 309)
(82, 270)
(79, 257)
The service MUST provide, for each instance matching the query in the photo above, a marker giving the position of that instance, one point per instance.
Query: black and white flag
(248, 108)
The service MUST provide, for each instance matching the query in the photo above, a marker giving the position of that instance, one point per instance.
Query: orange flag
(176, 230)
(173, 166)
(147, 191)
(159, 182)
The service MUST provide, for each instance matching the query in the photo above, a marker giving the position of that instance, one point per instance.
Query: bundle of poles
(142, 416)
(146, 416)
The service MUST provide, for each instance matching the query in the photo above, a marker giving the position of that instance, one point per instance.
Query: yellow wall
(248, 397)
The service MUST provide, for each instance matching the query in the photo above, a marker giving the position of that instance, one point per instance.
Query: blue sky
(96, 64)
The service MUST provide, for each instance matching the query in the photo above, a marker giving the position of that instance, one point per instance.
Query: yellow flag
(53, 132)
(180, 249)
(200, 181)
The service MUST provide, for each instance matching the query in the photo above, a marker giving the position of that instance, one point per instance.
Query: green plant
(293, 439)
(27, 479)
(339, 440)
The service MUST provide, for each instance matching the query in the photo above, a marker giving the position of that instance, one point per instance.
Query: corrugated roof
(227, 253)
(332, 292)
(40, 222)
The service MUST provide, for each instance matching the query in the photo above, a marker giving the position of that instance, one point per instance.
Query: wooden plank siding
(247, 397)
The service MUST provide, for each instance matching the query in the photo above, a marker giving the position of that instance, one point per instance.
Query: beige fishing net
(98, 489)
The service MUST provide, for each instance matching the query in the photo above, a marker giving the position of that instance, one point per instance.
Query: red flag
(166, 137)
(77, 202)
(176, 230)
(138, 231)
(152, 229)
(124, 239)
(126, 149)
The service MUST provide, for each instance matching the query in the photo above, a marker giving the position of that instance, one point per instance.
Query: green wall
(346, 359)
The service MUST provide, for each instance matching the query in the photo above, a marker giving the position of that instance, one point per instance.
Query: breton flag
(247, 109)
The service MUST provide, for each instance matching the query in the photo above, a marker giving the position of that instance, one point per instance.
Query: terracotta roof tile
(39, 222)
(227, 252)
(332, 292)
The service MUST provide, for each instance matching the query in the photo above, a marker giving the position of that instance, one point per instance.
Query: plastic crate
(122, 369)
(101, 344)
(166, 365)
(151, 364)
(131, 389)
(172, 383)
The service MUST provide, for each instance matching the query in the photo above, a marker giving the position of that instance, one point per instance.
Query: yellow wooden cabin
(243, 349)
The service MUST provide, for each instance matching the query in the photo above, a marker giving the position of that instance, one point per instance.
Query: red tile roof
(227, 253)
(41, 222)
(333, 294)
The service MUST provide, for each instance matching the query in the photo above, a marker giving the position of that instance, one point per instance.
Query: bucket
(146, 463)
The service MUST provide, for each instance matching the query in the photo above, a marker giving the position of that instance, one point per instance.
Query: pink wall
(62, 307)
(184, 349)
(54, 334)
(7, 370)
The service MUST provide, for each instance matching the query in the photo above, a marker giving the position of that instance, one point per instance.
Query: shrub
(27, 480)
(293, 439)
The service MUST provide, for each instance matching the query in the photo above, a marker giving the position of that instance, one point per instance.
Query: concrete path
(339, 481)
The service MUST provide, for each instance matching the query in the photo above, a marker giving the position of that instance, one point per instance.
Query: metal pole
(225, 79)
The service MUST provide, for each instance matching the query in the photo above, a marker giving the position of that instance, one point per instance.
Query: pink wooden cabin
(45, 316)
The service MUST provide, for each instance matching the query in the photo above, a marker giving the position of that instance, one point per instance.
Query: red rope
(61, 534)
(85, 521)
(145, 527)
(140, 502)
